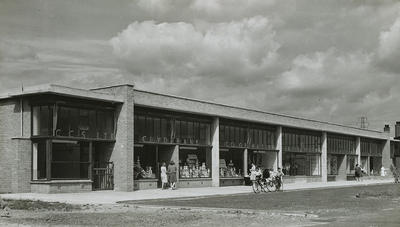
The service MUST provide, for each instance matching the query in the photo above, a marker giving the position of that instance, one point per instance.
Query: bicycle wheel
(256, 187)
(271, 186)
(263, 185)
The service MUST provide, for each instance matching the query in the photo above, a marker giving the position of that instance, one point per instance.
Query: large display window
(61, 159)
(86, 123)
(39, 165)
(236, 134)
(194, 162)
(70, 160)
(65, 121)
(160, 127)
(299, 164)
(145, 162)
(230, 163)
(333, 164)
(301, 141)
(42, 120)
(351, 164)
(338, 144)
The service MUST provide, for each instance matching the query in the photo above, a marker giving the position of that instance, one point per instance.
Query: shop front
(341, 157)
(371, 156)
(301, 157)
(165, 137)
(65, 134)
(242, 144)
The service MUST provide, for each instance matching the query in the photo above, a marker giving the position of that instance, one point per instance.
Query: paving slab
(112, 197)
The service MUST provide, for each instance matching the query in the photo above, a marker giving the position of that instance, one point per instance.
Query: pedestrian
(358, 172)
(253, 172)
(172, 175)
(279, 178)
(164, 177)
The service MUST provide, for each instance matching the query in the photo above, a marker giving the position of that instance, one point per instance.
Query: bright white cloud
(236, 49)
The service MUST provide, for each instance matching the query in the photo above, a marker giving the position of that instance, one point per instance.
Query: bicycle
(274, 184)
(258, 185)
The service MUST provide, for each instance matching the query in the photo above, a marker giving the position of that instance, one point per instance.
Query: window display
(144, 162)
(230, 163)
(194, 162)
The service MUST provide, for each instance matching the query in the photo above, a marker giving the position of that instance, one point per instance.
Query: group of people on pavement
(168, 175)
(256, 173)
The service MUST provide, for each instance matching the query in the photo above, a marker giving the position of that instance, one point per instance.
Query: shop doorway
(102, 166)
(103, 176)
(165, 154)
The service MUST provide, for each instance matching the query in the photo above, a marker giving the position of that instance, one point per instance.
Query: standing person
(172, 175)
(253, 172)
(279, 175)
(164, 177)
(358, 172)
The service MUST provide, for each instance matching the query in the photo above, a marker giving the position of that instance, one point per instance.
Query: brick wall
(122, 154)
(15, 154)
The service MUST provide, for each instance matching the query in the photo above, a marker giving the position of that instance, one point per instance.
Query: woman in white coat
(164, 176)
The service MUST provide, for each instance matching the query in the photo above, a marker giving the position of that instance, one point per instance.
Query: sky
(333, 61)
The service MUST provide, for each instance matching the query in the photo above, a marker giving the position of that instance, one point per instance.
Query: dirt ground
(355, 206)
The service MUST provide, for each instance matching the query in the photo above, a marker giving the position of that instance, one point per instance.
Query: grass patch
(40, 205)
(386, 192)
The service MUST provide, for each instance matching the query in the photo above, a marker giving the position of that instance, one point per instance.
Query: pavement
(112, 197)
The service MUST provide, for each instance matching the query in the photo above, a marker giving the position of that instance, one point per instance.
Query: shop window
(299, 164)
(351, 164)
(375, 165)
(194, 162)
(42, 120)
(339, 144)
(231, 163)
(76, 122)
(261, 158)
(145, 164)
(333, 167)
(39, 161)
(301, 141)
(70, 160)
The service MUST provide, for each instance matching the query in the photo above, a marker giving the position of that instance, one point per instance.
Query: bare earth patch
(356, 206)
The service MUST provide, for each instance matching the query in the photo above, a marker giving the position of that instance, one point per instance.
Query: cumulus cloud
(233, 50)
(389, 47)
(318, 59)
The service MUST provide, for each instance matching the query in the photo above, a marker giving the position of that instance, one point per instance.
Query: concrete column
(386, 159)
(324, 155)
(245, 164)
(278, 162)
(175, 158)
(358, 150)
(342, 167)
(215, 152)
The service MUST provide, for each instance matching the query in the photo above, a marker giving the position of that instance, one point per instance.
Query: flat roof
(63, 91)
(196, 106)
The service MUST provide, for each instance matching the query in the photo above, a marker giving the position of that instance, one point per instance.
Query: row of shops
(81, 140)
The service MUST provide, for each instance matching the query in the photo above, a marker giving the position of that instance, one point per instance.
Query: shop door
(103, 176)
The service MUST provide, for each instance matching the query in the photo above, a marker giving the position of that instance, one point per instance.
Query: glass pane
(35, 120)
(70, 160)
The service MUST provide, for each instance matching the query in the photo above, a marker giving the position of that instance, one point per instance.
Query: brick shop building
(61, 139)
